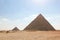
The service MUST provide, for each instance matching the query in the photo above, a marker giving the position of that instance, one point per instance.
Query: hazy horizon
(19, 13)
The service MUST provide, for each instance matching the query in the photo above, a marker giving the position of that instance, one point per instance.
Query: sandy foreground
(32, 35)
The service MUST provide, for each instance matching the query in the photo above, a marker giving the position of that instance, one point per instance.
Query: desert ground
(30, 35)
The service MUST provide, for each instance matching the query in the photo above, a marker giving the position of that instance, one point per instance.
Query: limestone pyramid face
(40, 23)
(15, 29)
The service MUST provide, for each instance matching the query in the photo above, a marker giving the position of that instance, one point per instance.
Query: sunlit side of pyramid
(40, 23)
(15, 29)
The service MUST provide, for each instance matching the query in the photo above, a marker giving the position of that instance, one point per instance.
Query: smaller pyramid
(15, 29)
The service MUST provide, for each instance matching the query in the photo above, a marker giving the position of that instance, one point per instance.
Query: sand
(30, 35)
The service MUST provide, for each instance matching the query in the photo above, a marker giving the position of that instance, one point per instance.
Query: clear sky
(21, 12)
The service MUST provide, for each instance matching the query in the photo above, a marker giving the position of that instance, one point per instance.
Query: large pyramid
(40, 23)
(15, 29)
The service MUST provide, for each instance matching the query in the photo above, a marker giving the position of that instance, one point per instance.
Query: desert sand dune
(32, 35)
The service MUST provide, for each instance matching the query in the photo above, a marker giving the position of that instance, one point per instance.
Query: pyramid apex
(40, 14)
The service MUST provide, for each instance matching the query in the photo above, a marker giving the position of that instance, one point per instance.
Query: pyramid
(40, 23)
(15, 29)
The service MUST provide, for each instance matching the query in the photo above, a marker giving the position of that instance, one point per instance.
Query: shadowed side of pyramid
(40, 23)
(15, 29)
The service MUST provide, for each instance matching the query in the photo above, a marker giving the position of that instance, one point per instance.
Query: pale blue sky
(21, 12)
